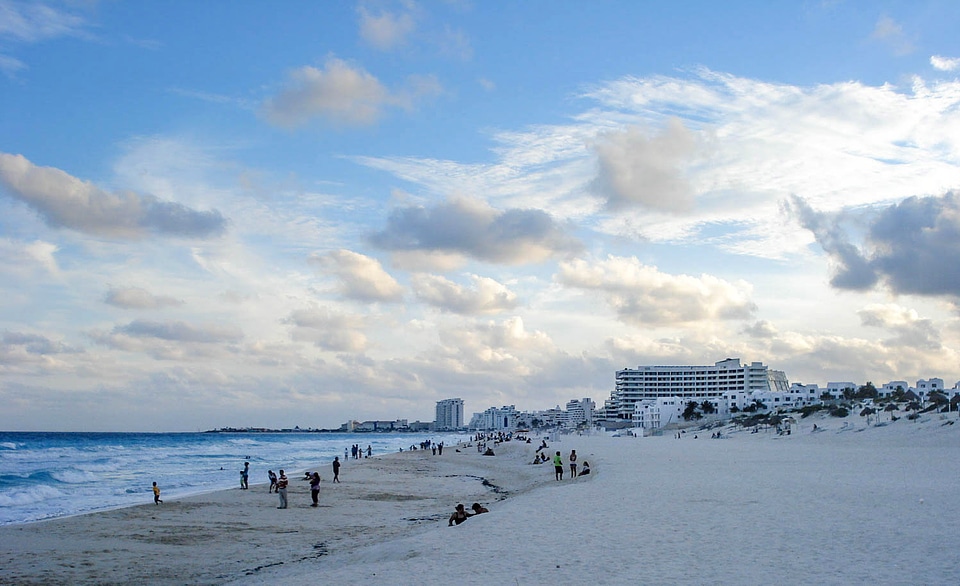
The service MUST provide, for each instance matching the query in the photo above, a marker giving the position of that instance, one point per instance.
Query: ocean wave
(72, 476)
(8, 445)
(28, 496)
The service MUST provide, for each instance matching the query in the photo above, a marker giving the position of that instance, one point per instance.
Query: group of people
(460, 514)
(558, 463)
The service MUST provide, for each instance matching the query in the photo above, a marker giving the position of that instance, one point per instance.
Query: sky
(301, 213)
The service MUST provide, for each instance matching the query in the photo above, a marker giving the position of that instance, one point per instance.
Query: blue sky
(238, 213)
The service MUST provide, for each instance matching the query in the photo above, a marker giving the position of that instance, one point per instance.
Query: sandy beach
(845, 504)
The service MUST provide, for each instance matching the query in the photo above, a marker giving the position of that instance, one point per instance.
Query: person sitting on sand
(458, 516)
(585, 470)
(478, 508)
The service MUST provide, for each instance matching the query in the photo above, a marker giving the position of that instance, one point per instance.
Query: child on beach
(558, 466)
(156, 494)
(573, 464)
(273, 480)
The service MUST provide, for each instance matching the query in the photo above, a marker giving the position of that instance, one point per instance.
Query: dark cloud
(178, 331)
(853, 271)
(63, 201)
(473, 229)
(37, 344)
(911, 246)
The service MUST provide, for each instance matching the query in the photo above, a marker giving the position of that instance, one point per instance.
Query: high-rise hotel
(449, 414)
(724, 379)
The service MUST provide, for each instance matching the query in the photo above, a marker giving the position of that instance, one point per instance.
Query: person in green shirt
(558, 466)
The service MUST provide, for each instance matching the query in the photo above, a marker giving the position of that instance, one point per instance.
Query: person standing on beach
(244, 475)
(273, 480)
(282, 489)
(336, 468)
(573, 464)
(558, 466)
(315, 488)
(369, 450)
(156, 494)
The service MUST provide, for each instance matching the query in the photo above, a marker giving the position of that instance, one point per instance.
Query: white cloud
(342, 94)
(891, 32)
(386, 30)
(643, 295)
(945, 63)
(637, 170)
(486, 296)
(361, 277)
(329, 330)
(10, 65)
(31, 22)
(836, 145)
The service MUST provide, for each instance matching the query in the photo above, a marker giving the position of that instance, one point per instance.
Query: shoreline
(219, 536)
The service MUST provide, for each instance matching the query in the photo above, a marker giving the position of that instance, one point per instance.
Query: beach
(848, 503)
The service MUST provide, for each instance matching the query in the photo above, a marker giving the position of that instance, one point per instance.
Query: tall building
(449, 414)
(648, 383)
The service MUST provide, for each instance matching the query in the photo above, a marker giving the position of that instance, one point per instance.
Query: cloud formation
(471, 228)
(137, 298)
(646, 171)
(891, 32)
(63, 201)
(945, 63)
(342, 94)
(180, 331)
(643, 295)
(328, 330)
(386, 30)
(909, 329)
(361, 277)
(908, 246)
(486, 296)
(31, 22)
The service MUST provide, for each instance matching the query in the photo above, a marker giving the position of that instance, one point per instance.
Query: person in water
(459, 516)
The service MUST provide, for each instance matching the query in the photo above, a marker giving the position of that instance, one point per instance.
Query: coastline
(219, 536)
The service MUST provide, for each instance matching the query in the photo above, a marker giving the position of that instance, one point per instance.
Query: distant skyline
(246, 214)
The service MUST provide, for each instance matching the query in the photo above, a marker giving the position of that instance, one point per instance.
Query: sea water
(47, 475)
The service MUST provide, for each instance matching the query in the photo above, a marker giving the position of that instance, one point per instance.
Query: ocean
(44, 475)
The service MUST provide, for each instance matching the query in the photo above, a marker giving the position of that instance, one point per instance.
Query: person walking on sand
(244, 475)
(156, 494)
(282, 489)
(336, 468)
(573, 464)
(273, 480)
(315, 489)
(558, 466)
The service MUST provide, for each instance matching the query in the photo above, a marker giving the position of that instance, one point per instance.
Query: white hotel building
(724, 384)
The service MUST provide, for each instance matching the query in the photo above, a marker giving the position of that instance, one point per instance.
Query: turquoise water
(46, 475)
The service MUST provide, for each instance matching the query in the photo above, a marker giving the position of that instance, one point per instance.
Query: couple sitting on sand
(460, 515)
